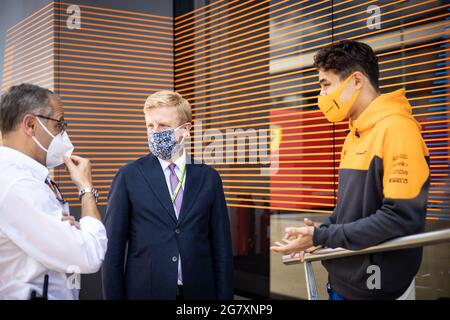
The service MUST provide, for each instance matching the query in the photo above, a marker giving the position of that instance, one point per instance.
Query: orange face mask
(331, 104)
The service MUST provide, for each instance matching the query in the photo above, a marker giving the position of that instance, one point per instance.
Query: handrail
(417, 240)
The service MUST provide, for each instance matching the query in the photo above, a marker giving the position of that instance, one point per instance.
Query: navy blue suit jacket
(140, 213)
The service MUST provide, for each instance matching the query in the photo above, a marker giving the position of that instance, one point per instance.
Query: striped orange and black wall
(103, 71)
(248, 65)
(244, 65)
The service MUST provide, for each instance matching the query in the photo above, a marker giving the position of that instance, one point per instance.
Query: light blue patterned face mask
(163, 144)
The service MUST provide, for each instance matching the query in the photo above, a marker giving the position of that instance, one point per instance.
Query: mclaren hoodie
(383, 189)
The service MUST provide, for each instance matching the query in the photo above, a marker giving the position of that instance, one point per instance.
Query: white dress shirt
(33, 239)
(180, 163)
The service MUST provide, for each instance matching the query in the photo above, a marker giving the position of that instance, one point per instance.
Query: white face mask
(59, 148)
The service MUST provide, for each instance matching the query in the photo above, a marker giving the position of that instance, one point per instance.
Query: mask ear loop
(39, 144)
(184, 135)
(343, 85)
(46, 130)
(347, 81)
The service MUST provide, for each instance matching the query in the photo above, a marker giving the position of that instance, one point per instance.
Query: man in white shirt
(38, 237)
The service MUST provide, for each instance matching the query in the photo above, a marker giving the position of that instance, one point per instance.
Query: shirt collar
(20, 159)
(180, 162)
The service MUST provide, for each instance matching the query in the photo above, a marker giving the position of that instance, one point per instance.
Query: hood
(384, 106)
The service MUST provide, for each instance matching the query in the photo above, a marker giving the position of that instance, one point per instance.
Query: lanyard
(180, 183)
(54, 187)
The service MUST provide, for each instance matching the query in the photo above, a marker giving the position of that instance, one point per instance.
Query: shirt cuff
(320, 236)
(92, 225)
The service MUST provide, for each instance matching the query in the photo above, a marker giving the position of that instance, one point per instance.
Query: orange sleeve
(404, 161)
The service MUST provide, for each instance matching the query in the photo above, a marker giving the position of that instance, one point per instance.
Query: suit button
(174, 259)
(177, 231)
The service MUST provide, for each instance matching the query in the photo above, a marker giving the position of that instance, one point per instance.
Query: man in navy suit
(172, 215)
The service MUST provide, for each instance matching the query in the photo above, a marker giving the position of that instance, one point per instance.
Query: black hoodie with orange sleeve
(384, 179)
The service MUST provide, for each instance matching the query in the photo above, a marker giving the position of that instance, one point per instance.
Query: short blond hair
(166, 98)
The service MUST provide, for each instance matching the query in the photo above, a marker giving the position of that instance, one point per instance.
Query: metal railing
(417, 240)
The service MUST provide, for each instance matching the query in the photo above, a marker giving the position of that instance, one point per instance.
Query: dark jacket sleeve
(331, 219)
(406, 180)
(116, 224)
(220, 239)
(394, 219)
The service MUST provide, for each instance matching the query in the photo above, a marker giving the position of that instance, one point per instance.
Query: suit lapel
(151, 170)
(194, 182)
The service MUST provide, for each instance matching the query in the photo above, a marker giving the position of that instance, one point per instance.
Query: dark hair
(347, 56)
(21, 100)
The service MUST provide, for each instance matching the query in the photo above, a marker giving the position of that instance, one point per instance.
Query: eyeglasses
(62, 124)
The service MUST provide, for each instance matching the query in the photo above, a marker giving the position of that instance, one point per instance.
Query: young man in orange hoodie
(383, 179)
